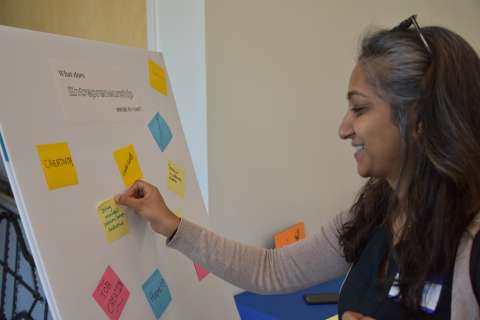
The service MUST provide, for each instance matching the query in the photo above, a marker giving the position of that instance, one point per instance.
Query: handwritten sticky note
(293, 234)
(128, 165)
(175, 178)
(113, 219)
(111, 294)
(157, 77)
(160, 131)
(201, 271)
(335, 317)
(57, 165)
(157, 293)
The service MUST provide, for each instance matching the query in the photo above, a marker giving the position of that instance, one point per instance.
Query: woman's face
(368, 124)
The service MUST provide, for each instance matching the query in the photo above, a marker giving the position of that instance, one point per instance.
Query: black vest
(364, 292)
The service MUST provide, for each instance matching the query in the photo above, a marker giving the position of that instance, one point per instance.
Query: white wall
(277, 73)
(177, 29)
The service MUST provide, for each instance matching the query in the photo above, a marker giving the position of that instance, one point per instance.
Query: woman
(414, 120)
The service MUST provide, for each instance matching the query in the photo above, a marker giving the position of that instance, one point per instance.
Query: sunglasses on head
(405, 24)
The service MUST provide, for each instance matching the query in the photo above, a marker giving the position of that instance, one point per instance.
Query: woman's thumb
(125, 200)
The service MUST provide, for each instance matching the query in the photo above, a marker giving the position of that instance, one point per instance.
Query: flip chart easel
(80, 121)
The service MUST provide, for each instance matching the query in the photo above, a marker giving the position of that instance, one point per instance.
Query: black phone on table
(321, 298)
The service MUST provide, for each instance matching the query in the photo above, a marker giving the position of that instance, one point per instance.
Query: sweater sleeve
(308, 262)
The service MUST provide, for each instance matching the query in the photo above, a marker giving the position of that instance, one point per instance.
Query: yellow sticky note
(176, 179)
(113, 219)
(335, 317)
(57, 165)
(128, 165)
(178, 213)
(157, 77)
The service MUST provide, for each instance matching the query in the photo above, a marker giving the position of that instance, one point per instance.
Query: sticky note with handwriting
(160, 131)
(113, 219)
(157, 293)
(288, 236)
(128, 165)
(175, 178)
(57, 164)
(111, 294)
(157, 77)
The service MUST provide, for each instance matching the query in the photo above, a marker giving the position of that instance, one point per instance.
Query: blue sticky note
(157, 293)
(160, 131)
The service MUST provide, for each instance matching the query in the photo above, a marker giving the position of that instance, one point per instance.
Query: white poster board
(98, 98)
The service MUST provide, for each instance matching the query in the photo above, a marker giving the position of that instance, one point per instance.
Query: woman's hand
(350, 315)
(148, 203)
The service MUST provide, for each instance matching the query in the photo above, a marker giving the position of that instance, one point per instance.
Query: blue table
(253, 306)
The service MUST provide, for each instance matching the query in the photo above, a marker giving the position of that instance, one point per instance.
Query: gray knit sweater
(316, 259)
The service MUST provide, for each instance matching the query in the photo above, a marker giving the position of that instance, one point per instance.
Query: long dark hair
(435, 102)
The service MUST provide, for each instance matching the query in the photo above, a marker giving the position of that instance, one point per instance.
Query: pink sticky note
(111, 294)
(201, 271)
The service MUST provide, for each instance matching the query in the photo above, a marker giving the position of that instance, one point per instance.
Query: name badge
(430, 295)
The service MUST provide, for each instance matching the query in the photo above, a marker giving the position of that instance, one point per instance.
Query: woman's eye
(358, 110)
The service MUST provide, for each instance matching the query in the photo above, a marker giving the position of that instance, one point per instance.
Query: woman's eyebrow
(355, 92)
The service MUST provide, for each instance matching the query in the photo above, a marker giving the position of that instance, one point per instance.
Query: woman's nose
(346, 129)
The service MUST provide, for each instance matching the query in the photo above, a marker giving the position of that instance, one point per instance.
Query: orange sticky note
(157, 77)
(288, 236)
(128, 165)
(57, 165)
